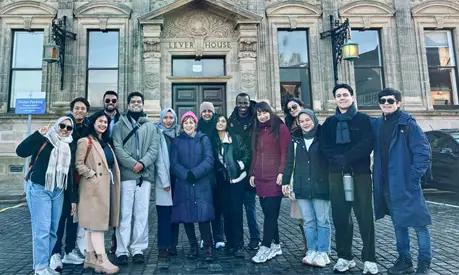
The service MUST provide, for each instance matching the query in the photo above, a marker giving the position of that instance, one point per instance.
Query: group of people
(95, 173)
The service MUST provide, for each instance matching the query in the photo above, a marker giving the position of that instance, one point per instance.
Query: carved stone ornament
(293, 22)
(440, 21)
(248, 80)
(27, 22)
(103, 23)
(151, 80)
(366, 22)
(247, 55)
(151, 44)
(248, 45)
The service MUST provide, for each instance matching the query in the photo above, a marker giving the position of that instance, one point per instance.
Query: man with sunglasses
(111, 108)
(79, 108)
(401, 157)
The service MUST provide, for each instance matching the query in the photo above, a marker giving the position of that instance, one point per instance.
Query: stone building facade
(181, 52)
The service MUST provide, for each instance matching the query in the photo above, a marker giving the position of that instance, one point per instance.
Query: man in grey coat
(136, 143)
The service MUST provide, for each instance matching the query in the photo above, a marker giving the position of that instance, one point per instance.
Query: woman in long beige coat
(99, 205)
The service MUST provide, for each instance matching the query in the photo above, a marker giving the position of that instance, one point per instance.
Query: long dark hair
(288, 117)
(92, 131)
(215, 138)
(275, 121)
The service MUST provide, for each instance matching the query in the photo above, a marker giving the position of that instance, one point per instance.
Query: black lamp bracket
(59, 35)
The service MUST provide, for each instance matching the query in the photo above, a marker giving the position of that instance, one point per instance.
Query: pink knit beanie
(187, 114)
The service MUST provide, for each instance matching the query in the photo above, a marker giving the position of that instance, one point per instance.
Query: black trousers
(71, 228)
(271, 209)
(204, 229)
(217, 223)
(167, 231)
(342, 220)
(232, 212)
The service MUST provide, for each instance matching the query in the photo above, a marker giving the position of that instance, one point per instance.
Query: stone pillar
(248, 41)
(151, 67)
(408, 67)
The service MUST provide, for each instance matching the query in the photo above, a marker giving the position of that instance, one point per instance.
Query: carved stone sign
(192, 45)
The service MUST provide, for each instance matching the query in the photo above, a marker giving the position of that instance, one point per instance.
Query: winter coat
(236, 161)
(357, 152)
(268, 160)
(310, 175)
(99, 205)
(163, 176)
(192, 201)
(408, 161)
(149, 139)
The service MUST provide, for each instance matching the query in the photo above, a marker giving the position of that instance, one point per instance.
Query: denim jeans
(403, 242)
(316, 225)
(251, 214)
(45, 211)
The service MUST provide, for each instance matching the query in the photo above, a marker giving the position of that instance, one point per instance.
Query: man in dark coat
(347, 142)
(241, 122)
(401, 157)
(111, 103)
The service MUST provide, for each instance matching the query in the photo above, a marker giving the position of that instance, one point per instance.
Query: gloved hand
(340, 160)
(190, 177)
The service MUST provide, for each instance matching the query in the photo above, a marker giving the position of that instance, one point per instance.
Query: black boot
(194, 251)
(238, 253)
(403, 265)
(173, 251)
(423, 267)
(209, 254)
(163, 258)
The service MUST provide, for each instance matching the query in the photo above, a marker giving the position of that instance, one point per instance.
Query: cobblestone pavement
(16, 246)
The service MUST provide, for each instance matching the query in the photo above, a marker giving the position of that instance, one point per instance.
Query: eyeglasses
(388, 100)
(294, 107)
(63, 126)
(114, 100)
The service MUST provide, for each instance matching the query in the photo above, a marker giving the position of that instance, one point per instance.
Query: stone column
(151, 67)
(248, 40)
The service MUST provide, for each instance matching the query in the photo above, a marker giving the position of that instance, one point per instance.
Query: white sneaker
(219, 245)
(262, 255)
(370, 267)
(309, 257)
(321, 259)
(55, 262)
(343, 265)
(52, 271)
(274, 251)
(73, 258)
(46, 271)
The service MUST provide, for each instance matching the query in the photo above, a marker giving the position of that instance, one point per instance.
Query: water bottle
(348, 183)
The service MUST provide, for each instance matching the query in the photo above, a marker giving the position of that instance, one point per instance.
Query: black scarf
(342, 128)
(134, 115)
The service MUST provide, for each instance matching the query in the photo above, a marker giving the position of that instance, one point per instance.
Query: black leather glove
(190, 177)
(340, 161)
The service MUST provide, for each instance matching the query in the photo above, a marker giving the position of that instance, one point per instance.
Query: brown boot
(90, 260)
(105, 266)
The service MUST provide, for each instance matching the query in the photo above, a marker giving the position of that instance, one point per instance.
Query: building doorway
(188, 97)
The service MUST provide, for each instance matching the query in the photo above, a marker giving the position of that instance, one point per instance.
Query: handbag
(78, 176)
(291, 194)
(26, 177)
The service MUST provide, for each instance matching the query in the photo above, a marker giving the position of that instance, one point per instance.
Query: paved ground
(16, 247)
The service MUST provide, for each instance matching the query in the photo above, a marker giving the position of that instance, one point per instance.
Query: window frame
(452, 51)
(216, 57)
(12, 69)
(381, 67)
(88, 69)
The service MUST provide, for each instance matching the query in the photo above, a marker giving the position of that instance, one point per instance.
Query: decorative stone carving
(103, 23)
(27, 22)
(366, 22)
(151, 80)
(151, 44)
(248, 80)
(293, 22)
(247, 55)
(440, 21)
(248, 44)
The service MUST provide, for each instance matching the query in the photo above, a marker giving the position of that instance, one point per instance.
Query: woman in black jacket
(307, 170)
(49, 175)
(232, 156)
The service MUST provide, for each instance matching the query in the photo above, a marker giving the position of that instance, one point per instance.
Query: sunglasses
(294, 107)
(388, 100)
(63, 126)
(113, 100)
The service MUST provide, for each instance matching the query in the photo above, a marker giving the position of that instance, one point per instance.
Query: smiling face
(242, 105)
(110, 103)
(101, 125)
(79, 111)
(135, 104)
(189, 126)
(344, 99)
(306, 123)
(263, 116)
(65, 128)
(168, 120)
(221, 124)
(389, 104)
(207, 115)
(293, 108)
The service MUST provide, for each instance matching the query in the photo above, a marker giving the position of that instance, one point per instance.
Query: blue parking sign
(33, 103)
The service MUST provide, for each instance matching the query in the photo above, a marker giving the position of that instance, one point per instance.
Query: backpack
(428, 176)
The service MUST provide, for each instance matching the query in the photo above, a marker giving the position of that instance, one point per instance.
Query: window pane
(27, 49)
(436, 39)
(103, 49)
(293, 48)
(203, 67)
(438, 57)
(369, 50)
(24, 82)
(100, 81)
(368, 83)
(295, 83)
(443, 86)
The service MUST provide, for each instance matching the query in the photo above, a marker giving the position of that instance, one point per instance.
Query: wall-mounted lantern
(51, 53)
(350, 50)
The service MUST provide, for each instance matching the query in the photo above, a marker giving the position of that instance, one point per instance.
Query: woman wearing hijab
(306, 174)
(99, 205)
(48, 176)
(191, 163)
(167, 231)
(270, 142)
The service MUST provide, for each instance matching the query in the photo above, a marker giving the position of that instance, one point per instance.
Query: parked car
(445, 159)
